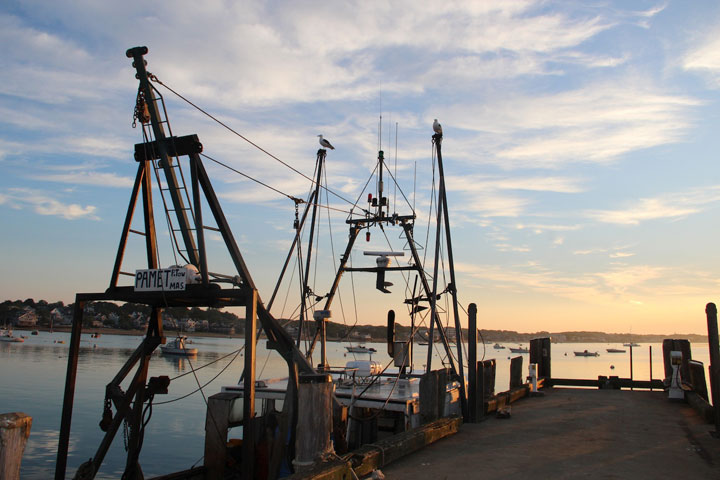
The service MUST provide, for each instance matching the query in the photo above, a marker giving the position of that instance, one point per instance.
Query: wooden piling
(14, 432)
(433, 390)
(488, 376)
(516, 364)
(711, 312)
(316, 422)
(472, 364)
(540, 354)
(217, 423)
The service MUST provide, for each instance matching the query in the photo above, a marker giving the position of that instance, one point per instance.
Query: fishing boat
(177, 347)
(360, 349)
(615, 350)
(519, 349)
(7, 336)
(497, 346)
(392, 396)
(585, 353)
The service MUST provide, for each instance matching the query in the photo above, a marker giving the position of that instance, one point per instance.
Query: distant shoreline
(172, 333)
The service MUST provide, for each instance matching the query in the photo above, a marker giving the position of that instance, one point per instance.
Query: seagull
(325, 143)
(437, 127)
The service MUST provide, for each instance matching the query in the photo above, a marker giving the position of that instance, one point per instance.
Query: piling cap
(711, 308)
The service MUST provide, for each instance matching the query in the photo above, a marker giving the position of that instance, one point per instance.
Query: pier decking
(575, 433)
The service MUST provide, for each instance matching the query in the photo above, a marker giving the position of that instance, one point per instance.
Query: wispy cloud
(704, 57)
(43, 204)
(97, 179)
(593, 124)
(670, 206)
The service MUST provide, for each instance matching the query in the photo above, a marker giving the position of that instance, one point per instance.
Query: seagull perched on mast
(325, 143)
(437, 127)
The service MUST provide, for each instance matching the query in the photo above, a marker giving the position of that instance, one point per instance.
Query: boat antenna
(396, 153)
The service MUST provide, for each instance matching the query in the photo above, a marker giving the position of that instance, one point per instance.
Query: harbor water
(34, 377)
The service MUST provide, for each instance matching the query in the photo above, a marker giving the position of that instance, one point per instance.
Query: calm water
(34, 377)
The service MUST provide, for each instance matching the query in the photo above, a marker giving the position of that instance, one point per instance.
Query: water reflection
(34, 376)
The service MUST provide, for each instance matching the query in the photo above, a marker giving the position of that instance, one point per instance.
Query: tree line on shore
(131, 316)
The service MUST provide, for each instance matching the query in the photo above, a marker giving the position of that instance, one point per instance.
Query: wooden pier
(575, 433)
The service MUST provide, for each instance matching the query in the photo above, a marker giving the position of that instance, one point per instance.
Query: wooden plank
(598, 383)
(217, 422)
(371, 457)
(505, 398)
(14, 432)
(701, 406)
(697, 379)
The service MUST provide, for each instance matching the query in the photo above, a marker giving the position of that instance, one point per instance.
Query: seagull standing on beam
(437, 127)
(324, 143)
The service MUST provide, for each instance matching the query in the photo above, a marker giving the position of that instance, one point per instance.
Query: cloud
(86, 178)
(593, 124)
(43, 204)
(670, 206)
(704, 58)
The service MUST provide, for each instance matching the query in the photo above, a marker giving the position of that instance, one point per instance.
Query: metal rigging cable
(157, 80)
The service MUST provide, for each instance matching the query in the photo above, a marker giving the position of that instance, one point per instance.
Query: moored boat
(7, 336)
(519, 350)
(615, 350)
(497, 346)
(360, 349)
(585, 353)
(177, 347)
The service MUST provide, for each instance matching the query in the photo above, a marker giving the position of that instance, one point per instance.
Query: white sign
(160, 280)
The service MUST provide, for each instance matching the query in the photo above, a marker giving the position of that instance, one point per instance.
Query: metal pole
(68, 399)
(451, 266)
(631, 366)
(303, 294)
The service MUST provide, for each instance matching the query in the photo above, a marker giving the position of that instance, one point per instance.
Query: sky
(580, 144)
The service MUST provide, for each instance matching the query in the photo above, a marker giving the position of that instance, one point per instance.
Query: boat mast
(451, 288)
(305, 288)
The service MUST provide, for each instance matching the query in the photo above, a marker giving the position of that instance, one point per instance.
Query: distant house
(59, 317)
(27, 319)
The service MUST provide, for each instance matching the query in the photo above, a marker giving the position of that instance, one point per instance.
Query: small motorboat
(360, 349)
(520, 349)
(95, 335)
(34, 332)
(631, 344)
(615, 350)
(497, 346)
(585, 353)
(177, 347)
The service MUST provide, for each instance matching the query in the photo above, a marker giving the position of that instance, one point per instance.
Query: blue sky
(580, 146)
